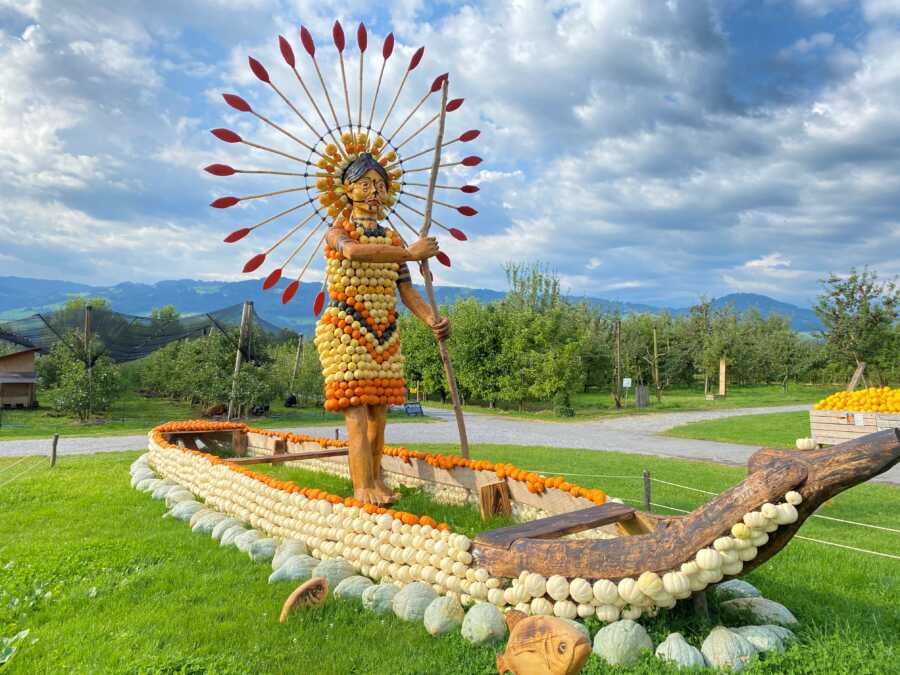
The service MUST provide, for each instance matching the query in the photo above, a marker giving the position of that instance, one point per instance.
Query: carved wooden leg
(377, 423)
(360, 455)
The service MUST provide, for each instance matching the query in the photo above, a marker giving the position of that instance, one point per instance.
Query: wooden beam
(557, 526)
(493, 499)
(287, 457)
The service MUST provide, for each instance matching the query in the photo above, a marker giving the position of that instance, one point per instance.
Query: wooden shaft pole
(53, 450)
(296, 363)
(429, 285)
(656, 368)
(647, 495)
(246, 315)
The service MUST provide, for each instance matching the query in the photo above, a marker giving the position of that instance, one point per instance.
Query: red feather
(319, 303)
(470, 135)
(308, 43)
(454, 104)
(467, 210)
(224, 202)
(219, 170)
(237, 235)
(469, 189)
(289, 292)
(236, 102)
(439, 82)
(258, 69)
(226, 135)
(443, 258)
(272, 279)
(416, 58)
(458, 234)
(362, 38)
(337, 32)
(388, 48)
(255, 262)
(471, 160)
(286, 52)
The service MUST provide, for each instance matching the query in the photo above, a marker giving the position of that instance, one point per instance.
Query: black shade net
(123, 337)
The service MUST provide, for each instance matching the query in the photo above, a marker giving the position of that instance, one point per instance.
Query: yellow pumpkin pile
(873, 399)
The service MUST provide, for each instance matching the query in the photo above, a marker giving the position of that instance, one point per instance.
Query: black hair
(362, 165)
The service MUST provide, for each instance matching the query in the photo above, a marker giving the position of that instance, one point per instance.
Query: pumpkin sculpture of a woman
(357, 337)
(358, 184)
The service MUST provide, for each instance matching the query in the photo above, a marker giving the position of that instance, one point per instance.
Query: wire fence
(691, 488)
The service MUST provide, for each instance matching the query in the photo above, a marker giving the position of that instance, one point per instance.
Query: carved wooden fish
(544, 645)
(309, 594)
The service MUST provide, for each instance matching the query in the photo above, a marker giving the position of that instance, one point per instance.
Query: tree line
(533, 348)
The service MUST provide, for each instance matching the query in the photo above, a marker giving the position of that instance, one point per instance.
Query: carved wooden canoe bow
(659, 544)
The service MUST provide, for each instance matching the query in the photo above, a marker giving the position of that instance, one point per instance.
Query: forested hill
(20, 296)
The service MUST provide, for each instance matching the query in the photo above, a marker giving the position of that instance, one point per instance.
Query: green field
(774, 430)
(591, 405)
(105, 585)
(136, 414)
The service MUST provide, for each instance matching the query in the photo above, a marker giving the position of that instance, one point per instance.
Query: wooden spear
(426, 275)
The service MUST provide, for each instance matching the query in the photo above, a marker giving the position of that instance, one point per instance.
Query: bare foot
(387, 495)
(369, 496)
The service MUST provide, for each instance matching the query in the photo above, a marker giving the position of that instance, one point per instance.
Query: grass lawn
(775, 430)
(591, 405)
(135, 414)
(104, 584)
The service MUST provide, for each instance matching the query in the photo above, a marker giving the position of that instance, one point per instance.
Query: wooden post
(493, 500)
(656, 368)
(53, 450)
(429, 285)
(857, 376)
(722, 370)
(617, 366)
(88, 317)
(296, 363)
(701, 607)
(337, 434)
(246, 318)
(647, 495)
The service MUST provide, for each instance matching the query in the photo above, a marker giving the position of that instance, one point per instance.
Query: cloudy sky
(647, 151)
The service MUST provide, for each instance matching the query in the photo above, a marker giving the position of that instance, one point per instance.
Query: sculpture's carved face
(368, 194)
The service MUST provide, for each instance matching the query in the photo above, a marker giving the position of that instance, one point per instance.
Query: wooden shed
(18, 379)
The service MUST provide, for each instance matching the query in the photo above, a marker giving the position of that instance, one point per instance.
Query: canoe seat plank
(557, 526)
(287, 457)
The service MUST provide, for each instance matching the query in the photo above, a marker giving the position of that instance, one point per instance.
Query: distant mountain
(21, 296)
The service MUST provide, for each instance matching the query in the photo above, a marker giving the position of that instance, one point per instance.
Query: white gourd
(747, 554)
(495, 597)
(711, 576)
(740, 531)
(581, 591)
(605, 592)
(793, 498)
(632, 613)
(541, 606)
(723, 543)
(650, 584)
(697, 584)
(690, 568)
(536, 585)
(787, 514)
(755, 520)
(760, 539)
(664, 600)
(709, 559)
(677, 584)
(565, 609)
(558, 587)
(608, 613)
(733, 568)
(769, 511)
(524, 607)
(585, 610)
(509, 596)
(630, 593)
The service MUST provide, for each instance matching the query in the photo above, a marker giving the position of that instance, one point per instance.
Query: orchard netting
(124, 337)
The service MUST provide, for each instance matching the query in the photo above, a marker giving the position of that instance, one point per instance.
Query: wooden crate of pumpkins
(844, 416)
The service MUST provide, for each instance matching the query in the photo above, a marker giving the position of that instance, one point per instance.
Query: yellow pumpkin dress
(357, 337)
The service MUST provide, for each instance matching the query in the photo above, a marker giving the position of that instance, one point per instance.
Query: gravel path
(638, 434)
